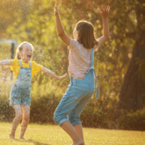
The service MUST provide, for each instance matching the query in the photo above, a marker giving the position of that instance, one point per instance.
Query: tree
(112, 59)
(132, 94)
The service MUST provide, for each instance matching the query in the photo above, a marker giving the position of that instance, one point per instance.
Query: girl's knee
(74, 120)
(19, 115)
(26, 117)
(60, 118)
(55, 117)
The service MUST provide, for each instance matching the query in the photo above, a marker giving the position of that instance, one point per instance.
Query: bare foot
(11, 136)
(80, 142)
(21, 137)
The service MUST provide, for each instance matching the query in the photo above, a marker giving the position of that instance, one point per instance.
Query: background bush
(43, 108)
(6, 111)
(132, 121)
(96, 114)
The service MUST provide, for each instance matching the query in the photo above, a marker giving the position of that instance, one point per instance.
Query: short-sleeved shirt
(79, 59)
(15, 67)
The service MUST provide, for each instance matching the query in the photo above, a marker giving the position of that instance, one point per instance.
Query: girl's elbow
(60, 34)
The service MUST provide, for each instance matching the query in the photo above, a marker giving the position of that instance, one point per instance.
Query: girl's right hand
(63, 76)
(56, 8)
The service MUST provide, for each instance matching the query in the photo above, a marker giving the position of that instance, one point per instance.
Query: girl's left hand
(105, 11)
(63, 76)
(56, 8)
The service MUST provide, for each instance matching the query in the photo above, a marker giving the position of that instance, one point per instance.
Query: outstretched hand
(105, 11)
(56, 8)
(63, 76)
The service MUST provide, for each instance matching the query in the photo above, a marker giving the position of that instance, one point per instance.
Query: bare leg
(16, 120)
(26, 116)
(79, 131)
(69, 129)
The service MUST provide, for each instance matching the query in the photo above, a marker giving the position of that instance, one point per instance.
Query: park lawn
(54, 135)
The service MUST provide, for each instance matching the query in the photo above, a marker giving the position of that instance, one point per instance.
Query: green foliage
(35, 22)
(132, 121)
(42, 109)
(97, 113)
(6, 111)
(141, 69)
(94, 118)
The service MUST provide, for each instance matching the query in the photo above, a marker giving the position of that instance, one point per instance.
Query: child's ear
(20, 54)
(77, 33)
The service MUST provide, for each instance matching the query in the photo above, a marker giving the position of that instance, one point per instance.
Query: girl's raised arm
(104, 13)
(52, 74)
(59, 27)
(5, 62)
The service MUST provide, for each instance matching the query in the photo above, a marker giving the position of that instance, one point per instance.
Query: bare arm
(52, 74)
(5, 62)
(59, 27)
(104, 13)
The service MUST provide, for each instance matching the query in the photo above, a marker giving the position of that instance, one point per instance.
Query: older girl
(81, 88)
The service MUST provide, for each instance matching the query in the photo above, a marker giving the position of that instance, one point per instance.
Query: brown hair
(86, 34)
(20, 48)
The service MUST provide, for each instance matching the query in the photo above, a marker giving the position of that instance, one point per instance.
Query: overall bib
(21, 89)
(78, 94)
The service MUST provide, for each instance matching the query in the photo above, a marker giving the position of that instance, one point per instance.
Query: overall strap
(92, 57)
(30, 63)
(92, 67)
(20, 62)
(97, 91)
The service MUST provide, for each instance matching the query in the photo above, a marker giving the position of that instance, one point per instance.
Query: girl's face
(26, 53)
(75, 33)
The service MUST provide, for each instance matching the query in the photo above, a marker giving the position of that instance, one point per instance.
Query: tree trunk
(132, 94)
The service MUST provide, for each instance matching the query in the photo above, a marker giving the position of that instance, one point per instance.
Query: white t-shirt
(79, 59)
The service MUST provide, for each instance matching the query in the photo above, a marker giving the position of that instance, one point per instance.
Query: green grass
(54, 135)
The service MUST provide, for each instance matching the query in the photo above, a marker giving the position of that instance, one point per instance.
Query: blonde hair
(20, 48)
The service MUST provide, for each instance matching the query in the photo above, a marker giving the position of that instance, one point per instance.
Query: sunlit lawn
(54, 135)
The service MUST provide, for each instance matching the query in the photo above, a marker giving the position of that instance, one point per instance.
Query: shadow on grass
(37, 143)
(32, 141)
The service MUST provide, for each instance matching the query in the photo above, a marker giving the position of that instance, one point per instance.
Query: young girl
(81, 70)
(20, 97)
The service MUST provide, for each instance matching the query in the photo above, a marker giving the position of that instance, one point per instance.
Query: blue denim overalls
(21, 89)
(78, 94)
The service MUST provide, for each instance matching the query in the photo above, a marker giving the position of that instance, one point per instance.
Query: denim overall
(78, 94)
(21, 89)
